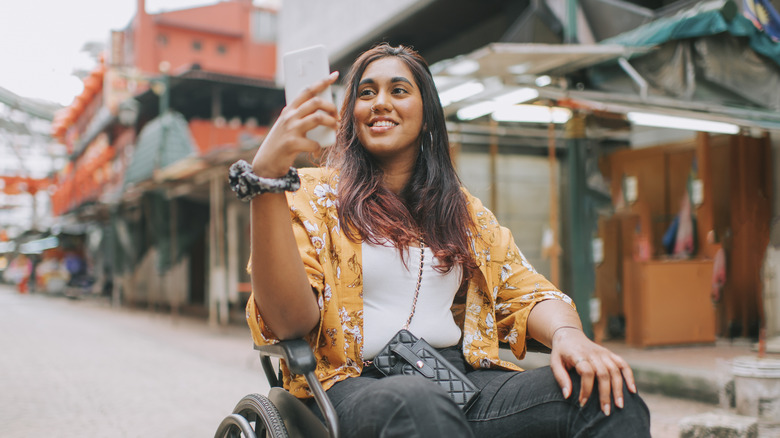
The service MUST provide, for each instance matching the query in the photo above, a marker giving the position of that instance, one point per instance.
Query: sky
(41, 41)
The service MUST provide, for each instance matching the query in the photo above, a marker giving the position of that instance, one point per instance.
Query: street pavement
(81, 368)
(73, 368)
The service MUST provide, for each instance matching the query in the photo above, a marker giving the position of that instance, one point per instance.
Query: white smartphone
(302, 68)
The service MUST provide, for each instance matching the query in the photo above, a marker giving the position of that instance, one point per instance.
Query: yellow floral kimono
(498, 300)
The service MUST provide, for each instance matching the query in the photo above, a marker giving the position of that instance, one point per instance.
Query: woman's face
(389, 111)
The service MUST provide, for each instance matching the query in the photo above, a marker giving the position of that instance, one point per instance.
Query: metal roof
(162, 142)
(508, 60)
(502, 66)
(193, 94)
(700, 22)
(39, 109)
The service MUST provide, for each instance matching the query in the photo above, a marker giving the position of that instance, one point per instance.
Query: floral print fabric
(497, 303)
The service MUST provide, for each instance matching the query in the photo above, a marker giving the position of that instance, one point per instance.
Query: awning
(508, 60)
(622, 103)
(103, 118)
(39, 109)
(40, 245)
(504, 67)
(195, 93)
(707, 54)
(696, 23)
(162, 142)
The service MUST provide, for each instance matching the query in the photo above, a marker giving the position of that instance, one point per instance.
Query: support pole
(172, 290)
(554, 250)
(232, 253)
(218, 297)
(216, 102)
(570, 30)
(493, 168)
(582, 278)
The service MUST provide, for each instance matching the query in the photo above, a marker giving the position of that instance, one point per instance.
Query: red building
(178, 96)
(230, 37)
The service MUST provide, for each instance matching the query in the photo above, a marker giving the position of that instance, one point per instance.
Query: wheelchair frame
(282, 415)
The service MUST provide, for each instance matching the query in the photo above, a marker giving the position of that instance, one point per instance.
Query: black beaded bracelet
(247, 185)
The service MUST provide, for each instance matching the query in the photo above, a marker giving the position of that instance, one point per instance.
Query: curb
(686, 384)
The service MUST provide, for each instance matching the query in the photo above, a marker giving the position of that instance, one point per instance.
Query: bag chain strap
(419, 281)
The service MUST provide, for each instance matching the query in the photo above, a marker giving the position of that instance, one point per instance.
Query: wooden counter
(668, 302)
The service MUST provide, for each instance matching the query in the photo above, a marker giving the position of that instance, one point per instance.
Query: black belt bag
(406, 354)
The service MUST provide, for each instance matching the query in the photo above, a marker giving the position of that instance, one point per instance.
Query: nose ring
(373, 108)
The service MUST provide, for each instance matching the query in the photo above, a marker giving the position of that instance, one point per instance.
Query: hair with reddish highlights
(432, 204)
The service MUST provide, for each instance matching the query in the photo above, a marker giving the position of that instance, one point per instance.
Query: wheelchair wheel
(263, 415)
(235, 426)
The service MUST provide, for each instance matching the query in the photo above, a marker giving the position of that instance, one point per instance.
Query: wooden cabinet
(669, 302)
(666, 300)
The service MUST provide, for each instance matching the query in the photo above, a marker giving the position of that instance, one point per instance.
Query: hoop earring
(422, 143)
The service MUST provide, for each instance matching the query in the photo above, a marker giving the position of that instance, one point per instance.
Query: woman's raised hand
(287, 137)
(594, 363)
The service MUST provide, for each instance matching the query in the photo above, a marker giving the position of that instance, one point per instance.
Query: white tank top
(388, 293)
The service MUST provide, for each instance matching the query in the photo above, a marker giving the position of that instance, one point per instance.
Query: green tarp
(692, 25)
(163, 141)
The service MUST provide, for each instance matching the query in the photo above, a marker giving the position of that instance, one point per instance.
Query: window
(221, 49)
(162, 40)
(263, 27)
(197, 45)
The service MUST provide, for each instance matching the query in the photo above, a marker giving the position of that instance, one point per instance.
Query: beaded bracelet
(247, 185)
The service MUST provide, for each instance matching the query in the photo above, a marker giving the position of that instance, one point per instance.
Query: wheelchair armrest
(295, 352)
(534, 346)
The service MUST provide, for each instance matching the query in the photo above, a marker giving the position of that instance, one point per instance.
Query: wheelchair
(282, 415)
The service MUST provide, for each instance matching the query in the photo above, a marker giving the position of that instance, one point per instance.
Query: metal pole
(164, 104)
(570, 30)
(493, 170)
(555, 249)
(582, 278)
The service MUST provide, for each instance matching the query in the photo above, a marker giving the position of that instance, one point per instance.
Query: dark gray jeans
(511, 404)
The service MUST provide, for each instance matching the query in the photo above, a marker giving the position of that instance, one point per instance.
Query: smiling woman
(384, 237)
(401, 164)
(388, 112)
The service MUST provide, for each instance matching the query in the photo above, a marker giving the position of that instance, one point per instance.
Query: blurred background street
(75, 368)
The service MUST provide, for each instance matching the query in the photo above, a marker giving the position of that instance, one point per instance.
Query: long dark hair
(432, 204)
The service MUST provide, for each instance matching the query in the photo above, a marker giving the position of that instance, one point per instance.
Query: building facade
(176, 98)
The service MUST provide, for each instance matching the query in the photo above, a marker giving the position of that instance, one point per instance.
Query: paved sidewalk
(695, 372)
(692, 372)
(675, 382)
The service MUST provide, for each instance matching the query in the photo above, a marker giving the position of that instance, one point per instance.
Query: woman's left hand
(572, 349)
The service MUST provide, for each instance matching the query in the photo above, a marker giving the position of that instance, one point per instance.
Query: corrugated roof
(161, 143)
(34, 107)
(507, 60)
(693, 24)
